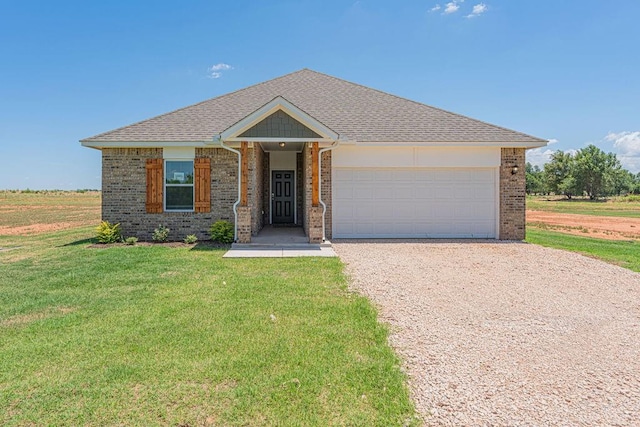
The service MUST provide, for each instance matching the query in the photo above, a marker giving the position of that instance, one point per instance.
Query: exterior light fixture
(514, 170)
(281, 144)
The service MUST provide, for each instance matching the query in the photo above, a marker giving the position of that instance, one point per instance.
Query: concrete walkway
(279, 242)
(280, 252)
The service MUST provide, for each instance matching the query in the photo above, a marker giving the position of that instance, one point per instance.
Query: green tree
(623, 182)
(534, 179)
(558, 174)
(594, 171)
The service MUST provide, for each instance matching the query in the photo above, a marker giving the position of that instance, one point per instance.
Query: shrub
(222, 232)
(191, 239)
(131, 240)
(108, 233)
(160, 234)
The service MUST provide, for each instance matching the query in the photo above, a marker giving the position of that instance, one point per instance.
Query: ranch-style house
(306, 149)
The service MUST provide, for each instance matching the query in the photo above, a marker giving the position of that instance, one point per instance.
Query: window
(178, 185)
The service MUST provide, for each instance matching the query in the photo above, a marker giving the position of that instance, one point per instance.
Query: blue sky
(561, 70)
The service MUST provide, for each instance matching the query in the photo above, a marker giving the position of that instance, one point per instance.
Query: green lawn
(623, 253)
(151, 335)
(616, 206)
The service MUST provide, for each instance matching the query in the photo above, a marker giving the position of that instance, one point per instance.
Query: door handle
(273, 196)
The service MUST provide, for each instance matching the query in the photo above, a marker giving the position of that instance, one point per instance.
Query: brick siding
(325, 192)
(512, 195)
(124, 193)
(256, 187)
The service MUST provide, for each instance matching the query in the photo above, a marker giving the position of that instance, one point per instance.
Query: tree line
(590, 171)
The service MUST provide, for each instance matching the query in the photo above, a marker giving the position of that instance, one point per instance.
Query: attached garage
(416, 192)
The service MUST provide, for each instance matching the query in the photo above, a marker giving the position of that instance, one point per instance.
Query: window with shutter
(178, 185)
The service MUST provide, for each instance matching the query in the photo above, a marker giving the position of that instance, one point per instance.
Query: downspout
(324, 206)
(235, 205)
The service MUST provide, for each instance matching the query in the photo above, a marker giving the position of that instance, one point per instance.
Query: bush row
(220, 232)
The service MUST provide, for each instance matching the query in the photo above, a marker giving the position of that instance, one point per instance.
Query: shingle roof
(356, 112)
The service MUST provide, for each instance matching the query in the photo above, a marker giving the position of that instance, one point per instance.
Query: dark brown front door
(282, 197)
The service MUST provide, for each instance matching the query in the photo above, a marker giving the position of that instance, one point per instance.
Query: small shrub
(191, 239)
(160, 234)
(222, 232)
(108, 233)
(131, 240)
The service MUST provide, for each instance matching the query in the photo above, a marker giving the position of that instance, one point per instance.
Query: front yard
(153, 335)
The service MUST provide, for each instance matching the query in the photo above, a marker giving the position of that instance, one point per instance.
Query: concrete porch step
(275, 245)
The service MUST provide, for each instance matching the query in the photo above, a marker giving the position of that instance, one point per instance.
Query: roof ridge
(425, 105)
(191, 106)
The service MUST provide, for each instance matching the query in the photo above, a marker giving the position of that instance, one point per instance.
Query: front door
(282, 197)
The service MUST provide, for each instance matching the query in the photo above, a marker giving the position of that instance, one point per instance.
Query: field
(608, 230)
(614, 219)
(158, 335)
(28, 213)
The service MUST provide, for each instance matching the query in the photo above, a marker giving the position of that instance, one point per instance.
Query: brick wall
(306, 186)
(512, 195)
(256, 187)
(312, 217)
(325, 192)
(124, 193)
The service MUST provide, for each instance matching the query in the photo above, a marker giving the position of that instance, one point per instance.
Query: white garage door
(414, 203)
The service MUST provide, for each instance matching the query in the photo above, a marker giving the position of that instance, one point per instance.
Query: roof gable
(357, 113)
(279, 125)
(278, 119)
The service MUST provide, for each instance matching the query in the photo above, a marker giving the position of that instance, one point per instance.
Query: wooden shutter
(155, 185)
(203, 184)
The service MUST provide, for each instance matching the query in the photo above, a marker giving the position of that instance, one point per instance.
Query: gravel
(494, 333)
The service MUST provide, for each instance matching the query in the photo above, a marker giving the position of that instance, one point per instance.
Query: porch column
(315, 211)
(244, 172)
(244, 211)
(315, 190)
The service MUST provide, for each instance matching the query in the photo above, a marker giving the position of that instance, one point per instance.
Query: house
(339, 159)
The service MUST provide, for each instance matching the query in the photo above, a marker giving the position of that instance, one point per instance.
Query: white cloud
(552, 141)
(539, 156)
(215, 71)
(435, 8)
(221, 66)
(478, 10)
(451, 7)
(626, 146)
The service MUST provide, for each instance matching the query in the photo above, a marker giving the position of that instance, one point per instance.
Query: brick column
(244, 224)
(315, 224)
(512, 195)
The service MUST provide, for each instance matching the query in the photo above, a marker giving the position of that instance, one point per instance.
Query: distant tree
(623, 182)
(636, 184)
(558, 174)
(594, 171)
(534, 179)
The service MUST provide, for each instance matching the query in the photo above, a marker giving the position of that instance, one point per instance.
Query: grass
(177, 336)
(628, 206)
(623, 253)
(154, 335)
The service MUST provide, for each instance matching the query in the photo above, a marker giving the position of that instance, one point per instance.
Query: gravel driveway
(510, 334)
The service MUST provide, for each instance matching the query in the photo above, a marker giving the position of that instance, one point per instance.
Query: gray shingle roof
(355, 112)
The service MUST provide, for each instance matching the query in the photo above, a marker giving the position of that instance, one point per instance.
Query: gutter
(235, 205)
(335, 144)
